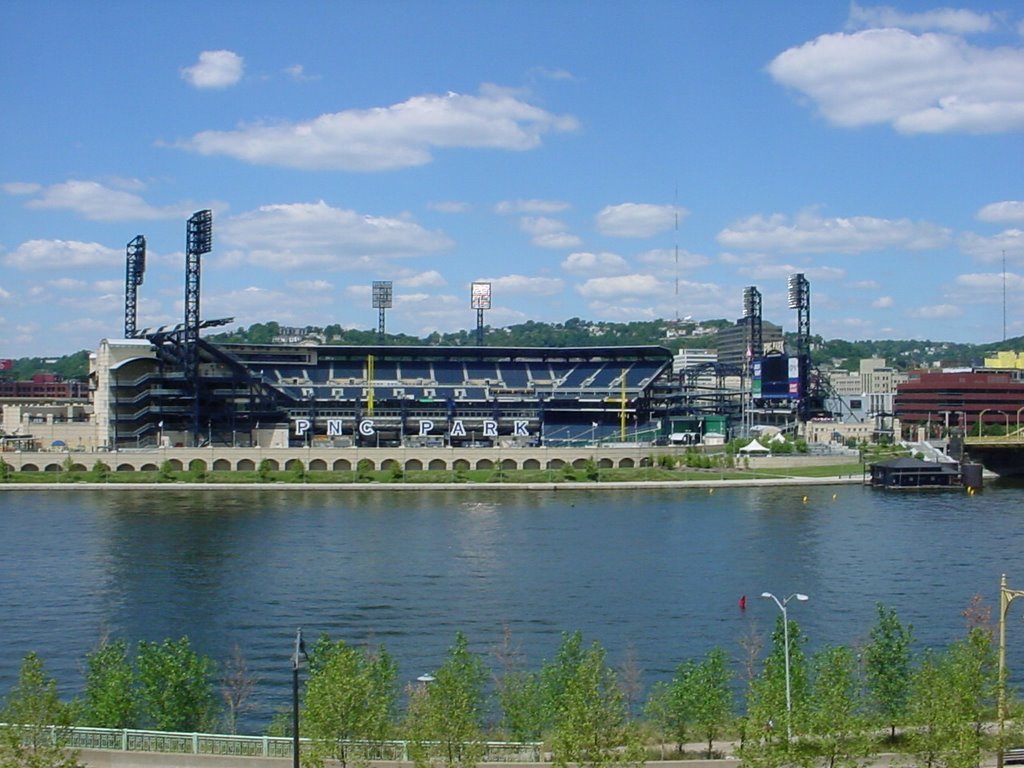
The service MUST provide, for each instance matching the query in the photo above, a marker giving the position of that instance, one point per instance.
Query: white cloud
(781, 272)
(429, 279)
(935, 312)
(883, 302)
(97, 202)
(288, 236)
(1005, 212)
(298, 72)
(530, 206)
(548, 233)
(666, 258)
(637, 219)
(1009, 244)
(398, 136)
(449, 206)
(522, 284)
(215, 69)
(557, 240)
(991, 282)
(955, 20)
(21, 188)
(636, 285)
(929, 83)
(311, 286)
(811, 233)
(585, 263)
(42, 255)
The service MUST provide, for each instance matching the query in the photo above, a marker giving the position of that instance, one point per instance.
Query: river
(656, 573)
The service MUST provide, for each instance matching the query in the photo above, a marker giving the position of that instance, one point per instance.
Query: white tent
(754, 447)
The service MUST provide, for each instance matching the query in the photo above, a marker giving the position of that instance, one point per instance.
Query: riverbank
(582, 485)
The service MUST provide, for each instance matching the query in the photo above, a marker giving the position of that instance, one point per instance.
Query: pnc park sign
(368, 428)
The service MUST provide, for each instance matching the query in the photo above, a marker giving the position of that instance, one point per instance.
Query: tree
(110, 699)
(175, 686)
(520, 693)
(888, 668)
(711, 694)
(766, 699)
(350, 696)
(593, 726)
(236, 688)
(836, 729)
(37, 725)
(449, 710)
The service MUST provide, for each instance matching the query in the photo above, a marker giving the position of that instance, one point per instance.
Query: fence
(126, 740)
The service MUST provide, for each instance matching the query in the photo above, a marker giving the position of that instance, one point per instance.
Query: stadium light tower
(198, 240)
(480, 299)
(382, 300)
(800, 300)
(752, 314)
(135, 268)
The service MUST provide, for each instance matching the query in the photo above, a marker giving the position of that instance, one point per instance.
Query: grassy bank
(471, 476)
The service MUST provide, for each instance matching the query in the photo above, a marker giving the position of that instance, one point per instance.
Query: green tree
(556, 675)
(836, 728)
(449, 711)
(938, 735)
(264, 469)
(175, 686)
(37, 725)
(110, 699)
(888, 668)
(350, 696)
(520, 693)
(766, 699)
(711, 694)
(593, 727)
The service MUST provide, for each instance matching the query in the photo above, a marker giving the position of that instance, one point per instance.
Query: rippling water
(658, 571)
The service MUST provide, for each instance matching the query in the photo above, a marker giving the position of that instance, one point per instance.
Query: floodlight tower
(198, 240)
(382, 297)
(752, 314)
(480, 299)
(135, 268)
(800, 300)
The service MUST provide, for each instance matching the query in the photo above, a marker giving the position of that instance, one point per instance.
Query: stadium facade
(291, 395)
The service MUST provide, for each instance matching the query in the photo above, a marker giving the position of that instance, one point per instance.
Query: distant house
(905, 473)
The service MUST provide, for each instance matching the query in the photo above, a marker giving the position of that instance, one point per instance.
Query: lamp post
(1006, 596)
(1018, 421)
(300, 648)
(785, 640)
(1007, 417)
(981, 420)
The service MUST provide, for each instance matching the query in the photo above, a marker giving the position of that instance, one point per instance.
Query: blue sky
(604, 160)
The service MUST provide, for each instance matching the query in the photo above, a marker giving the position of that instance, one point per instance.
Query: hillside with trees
(577, 332)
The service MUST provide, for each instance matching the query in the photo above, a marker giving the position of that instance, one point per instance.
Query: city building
(733, 342)
(970, 400)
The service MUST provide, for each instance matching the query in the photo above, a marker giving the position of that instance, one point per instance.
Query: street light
(981, 420)
(1006, 596)
(300, 648)
(785, 639)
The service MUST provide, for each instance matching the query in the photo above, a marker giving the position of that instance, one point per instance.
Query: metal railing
(127, 740)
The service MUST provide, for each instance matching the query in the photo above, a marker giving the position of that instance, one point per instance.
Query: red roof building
(961, 399)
